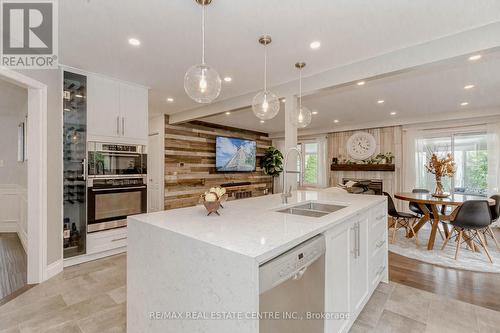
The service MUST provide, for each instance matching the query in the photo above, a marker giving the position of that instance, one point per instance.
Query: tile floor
(90, 298)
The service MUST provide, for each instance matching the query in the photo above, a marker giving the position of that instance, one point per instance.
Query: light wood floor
(91, 298)
(13, 264)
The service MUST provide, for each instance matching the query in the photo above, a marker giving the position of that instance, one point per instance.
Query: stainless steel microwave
(108, 160)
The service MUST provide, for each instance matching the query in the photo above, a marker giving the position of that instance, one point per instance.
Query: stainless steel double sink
(312, 209)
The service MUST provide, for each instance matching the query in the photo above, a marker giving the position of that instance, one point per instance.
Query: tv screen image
(235, 155)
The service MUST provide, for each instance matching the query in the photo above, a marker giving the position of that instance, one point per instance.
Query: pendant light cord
(203, 35)
(300, 89)
(265, 67)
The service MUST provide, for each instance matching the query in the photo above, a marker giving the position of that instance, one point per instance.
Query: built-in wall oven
(116, 184)
(111, 200)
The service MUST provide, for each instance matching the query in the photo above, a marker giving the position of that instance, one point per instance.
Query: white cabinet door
(358, 264)
(134, 112)
(103, 109)
(338, 250)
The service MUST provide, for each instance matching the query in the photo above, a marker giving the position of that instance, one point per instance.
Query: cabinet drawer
(106, 240)
(379, 216)
(377, 268)
(378, 243)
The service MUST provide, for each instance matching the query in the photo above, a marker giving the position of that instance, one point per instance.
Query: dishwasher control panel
(291, 264)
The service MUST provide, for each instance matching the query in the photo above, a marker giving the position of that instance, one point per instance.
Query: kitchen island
(188, 272)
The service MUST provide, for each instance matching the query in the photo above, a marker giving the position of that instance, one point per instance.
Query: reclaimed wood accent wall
(190, 163)
(389, 139)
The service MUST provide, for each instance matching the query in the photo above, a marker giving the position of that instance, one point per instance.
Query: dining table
(436, 211)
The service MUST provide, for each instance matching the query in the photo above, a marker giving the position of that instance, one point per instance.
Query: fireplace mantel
(363, 167)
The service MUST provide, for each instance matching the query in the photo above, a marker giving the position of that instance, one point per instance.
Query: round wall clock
(361, 145)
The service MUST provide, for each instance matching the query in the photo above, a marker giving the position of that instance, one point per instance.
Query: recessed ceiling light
(170, 99)
(228, 79)
(381, 101)
(134, 41)
(393, 113)
(469, 86)
(228, 113)
(464, 103)
(315, 45)
(361, 83)
(67, 110)
(284, 100)
(262, 121)
(79, 96)
(314, 112)
(336, 121)
(475, 57)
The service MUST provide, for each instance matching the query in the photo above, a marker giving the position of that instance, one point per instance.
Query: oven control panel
(117, 182)
(119, 148)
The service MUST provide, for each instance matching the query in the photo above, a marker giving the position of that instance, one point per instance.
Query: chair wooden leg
(492, 234)
(447, 239)
(458, 243)
(395, 230)
(441, 233)
(480, 236)
(410, 224)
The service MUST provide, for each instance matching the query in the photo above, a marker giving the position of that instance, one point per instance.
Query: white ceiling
(12, 98)
(93, 37)
(420, 95)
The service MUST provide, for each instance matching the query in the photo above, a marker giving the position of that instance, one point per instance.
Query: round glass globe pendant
(202, 83)
(265, 105)
(302, 116)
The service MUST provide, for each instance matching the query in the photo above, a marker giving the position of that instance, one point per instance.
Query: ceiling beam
(466, 42)
(439, 118)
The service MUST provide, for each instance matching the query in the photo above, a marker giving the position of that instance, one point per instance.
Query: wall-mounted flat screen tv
(235, 155)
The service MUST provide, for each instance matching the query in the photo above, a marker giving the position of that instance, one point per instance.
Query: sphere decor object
(265, 105)
(202, 83)
(302, 117)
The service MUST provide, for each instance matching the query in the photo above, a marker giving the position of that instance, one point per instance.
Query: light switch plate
(1, 163)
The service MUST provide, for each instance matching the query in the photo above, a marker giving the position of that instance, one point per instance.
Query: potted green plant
(389, 157)
(272, 164)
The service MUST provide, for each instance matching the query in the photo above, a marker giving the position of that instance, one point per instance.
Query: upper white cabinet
(103, 107)
(116, 110)
(134, 111)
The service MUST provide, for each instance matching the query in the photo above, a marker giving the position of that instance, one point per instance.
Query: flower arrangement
(213, 199)
(440, 167)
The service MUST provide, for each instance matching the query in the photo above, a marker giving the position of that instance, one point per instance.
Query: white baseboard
(91, 257)
(54, 269)
(23, 237)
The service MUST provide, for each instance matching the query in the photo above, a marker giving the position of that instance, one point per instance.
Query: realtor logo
(29, 34)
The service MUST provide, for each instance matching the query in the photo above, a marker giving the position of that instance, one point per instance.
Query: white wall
(13, 174)
(53, 79)
(13, 110)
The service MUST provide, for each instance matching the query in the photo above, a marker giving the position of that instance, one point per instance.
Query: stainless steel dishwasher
(292, 290)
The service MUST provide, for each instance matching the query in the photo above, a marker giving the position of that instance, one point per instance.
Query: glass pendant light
(302, 116)
(202, 83)
(265, 104)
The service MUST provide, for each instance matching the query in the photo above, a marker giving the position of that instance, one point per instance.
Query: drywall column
(291, 139)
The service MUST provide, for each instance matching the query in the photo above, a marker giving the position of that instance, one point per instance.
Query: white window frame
(452, 134)
(302, 144)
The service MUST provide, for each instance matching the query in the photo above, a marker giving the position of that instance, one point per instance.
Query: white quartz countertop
(253, 228)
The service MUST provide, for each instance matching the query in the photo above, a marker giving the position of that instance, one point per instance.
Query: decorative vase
(439, 192)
